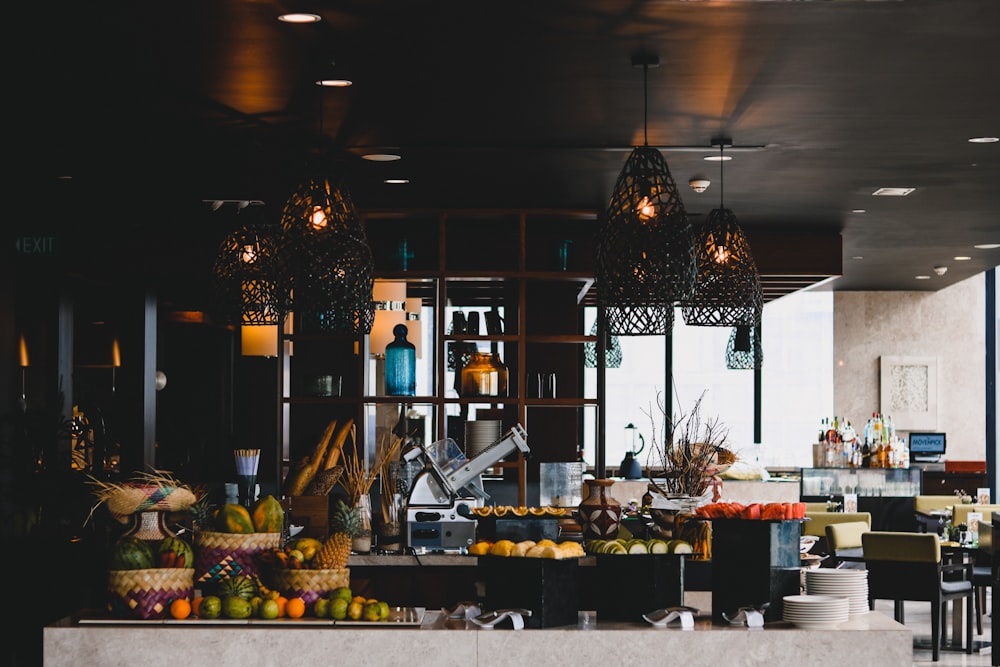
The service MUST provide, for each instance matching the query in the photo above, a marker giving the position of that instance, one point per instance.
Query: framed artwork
(909, 392)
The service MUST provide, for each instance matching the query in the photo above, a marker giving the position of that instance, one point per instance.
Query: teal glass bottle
(400, 364)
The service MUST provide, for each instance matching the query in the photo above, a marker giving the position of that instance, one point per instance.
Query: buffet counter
(871, 638)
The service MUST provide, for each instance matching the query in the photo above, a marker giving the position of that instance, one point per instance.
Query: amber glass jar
(481, 376)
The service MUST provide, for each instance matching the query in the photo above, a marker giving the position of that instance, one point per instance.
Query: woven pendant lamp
(331, 270)
(728, 290)
(744, 351)
(250, 277)
(645, 257)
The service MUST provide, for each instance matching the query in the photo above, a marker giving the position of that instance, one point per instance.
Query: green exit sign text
(35, 245)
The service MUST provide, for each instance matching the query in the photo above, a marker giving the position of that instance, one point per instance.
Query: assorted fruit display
(511, 511)
(753, 511)
(527, 549)
(624, 546)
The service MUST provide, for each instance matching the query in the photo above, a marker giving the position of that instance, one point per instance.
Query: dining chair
(908, 566)
(816, 523)
(982, 558)
(844, 543)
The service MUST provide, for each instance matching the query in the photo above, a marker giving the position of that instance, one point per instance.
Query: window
(797, 387)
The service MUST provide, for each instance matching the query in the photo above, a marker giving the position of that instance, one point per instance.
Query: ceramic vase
(600, 513)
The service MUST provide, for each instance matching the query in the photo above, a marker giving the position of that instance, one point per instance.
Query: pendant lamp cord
(645, 104)
(722, 178)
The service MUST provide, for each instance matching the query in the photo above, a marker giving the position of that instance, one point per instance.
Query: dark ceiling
(154, 108)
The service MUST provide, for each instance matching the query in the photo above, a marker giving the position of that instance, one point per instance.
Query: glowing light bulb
(721, 255)
(646, 209)
(249, 255)
(318, 218)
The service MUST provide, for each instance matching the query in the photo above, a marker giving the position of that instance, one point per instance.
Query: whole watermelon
(131, 553)
(174, 552)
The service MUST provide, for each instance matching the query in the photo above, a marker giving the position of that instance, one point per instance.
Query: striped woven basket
(221, 555)
(310, 585)
(147, 594)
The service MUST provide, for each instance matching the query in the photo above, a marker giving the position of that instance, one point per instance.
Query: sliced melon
(657, 546)
(679, 547)
(638, 547)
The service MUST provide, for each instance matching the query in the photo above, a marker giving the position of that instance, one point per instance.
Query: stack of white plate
(815, 611)
(852, 584)
(479, 435)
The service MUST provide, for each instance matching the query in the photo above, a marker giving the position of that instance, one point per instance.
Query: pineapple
(202, 514)
(345, 524)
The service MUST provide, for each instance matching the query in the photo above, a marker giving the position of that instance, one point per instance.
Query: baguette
(337, 446)
(297, 484)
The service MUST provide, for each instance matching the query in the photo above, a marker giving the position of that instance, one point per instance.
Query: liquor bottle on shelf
(400, 364)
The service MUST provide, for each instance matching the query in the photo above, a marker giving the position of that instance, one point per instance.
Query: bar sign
(35, 245)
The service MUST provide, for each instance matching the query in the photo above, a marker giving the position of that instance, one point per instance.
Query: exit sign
(35, 245)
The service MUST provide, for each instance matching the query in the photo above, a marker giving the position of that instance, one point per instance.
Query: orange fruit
(282, 602)
(196, 605)
(359, 598)
(180, 608)
(500, 510)
(519, 511)
(295, 607)
(537, 511)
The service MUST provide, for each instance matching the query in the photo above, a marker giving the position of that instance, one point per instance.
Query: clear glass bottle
(400, 364)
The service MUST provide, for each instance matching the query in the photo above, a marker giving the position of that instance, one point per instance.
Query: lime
(383, 610)
(210, 607)
(269, 609)
(342, 593)
(321, 608)
(338, 609)
(371, 611)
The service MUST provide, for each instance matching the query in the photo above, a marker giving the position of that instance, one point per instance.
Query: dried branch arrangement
(358, 479)
(686, 452)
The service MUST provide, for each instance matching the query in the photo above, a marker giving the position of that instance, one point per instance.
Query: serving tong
(488, 620)
(750, 616)
(663, 617)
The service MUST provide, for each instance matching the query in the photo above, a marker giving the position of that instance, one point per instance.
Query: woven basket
(310, 585)
(147, 594)
(221, 555)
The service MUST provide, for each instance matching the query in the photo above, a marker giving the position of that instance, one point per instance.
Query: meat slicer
(439, 515)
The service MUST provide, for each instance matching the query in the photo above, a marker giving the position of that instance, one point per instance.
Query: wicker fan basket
(147, 594)
(220, 555)
(310, 585)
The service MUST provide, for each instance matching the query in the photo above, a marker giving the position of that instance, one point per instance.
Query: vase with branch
(358, 480)
(687, 453)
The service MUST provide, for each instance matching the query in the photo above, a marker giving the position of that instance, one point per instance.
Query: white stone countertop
(868, 639)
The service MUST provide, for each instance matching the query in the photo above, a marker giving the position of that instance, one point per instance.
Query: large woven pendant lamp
(331, 265)
(728, 291)
(645, 259)
(744, 351)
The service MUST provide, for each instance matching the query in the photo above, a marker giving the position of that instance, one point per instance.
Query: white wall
(948, 324)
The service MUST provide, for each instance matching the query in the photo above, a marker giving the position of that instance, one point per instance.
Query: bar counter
(868, 639)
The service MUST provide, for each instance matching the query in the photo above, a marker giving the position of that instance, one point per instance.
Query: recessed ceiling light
(382, 157)
(922, 277)
(984, 140)
(718, 158)
(859, 210)
(961, 258)
(893, 192)
(296, 17)
(334, 83)
(397, 181)
(986, 246)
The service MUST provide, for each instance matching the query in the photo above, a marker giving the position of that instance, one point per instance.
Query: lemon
(354, 610)
(383, 610)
